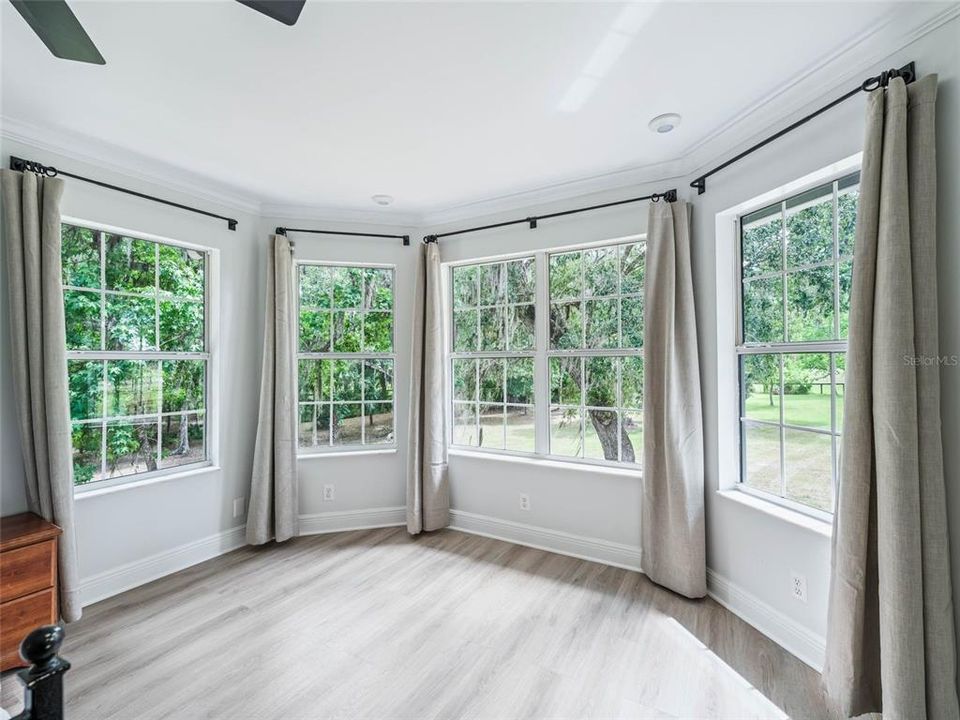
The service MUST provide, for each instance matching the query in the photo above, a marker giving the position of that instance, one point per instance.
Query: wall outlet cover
(798, 586)
(328, 493)
(524, 502)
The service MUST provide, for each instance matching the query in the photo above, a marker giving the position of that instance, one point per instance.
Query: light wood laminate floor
(376, 624)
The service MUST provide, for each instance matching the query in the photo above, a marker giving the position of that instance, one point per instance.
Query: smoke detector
(664, 123)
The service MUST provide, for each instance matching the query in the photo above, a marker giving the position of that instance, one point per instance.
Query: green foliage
(762, 243)
(136, 289)
(82, 315)
(80, 257)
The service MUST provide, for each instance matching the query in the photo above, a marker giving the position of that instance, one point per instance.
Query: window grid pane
(791, 398)
(136, 349)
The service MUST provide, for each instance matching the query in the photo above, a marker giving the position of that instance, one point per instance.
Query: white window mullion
(541, 372)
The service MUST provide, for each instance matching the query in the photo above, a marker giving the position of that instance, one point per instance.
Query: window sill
(794, 517)
(346, 453)
(541, 461)
(82, 492)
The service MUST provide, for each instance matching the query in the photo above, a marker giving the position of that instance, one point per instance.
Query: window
(494, 336)
(596, 353)
(346, 357)
(575, 316)
(796, 260)
(137, 353)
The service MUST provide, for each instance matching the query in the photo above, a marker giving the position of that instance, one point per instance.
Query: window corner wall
(357, 479)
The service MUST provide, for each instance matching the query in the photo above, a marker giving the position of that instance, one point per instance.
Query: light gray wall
(130, 523)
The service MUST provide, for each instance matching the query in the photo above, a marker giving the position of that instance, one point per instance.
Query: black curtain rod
(907, 72)
(285, 230)
(668, 195)
(21, 165)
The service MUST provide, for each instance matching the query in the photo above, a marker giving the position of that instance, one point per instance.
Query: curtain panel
(274, 490)
(38, 353)
(673, 552)
(890, 636)
(428, 490)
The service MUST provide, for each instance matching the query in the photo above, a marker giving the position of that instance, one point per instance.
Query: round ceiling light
(664, 123)
(383, 200)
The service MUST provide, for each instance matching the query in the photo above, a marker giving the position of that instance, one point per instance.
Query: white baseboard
(126, 577)
(793, 637)
(578, 546)
(329, 522)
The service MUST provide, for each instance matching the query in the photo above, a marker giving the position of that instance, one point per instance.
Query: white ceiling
(437, 104)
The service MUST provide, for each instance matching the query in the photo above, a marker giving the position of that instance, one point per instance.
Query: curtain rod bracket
(533, 222)
(406, 240)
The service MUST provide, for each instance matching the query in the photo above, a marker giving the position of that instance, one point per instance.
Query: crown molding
(88, 150)
(622, 179)
(319, 213)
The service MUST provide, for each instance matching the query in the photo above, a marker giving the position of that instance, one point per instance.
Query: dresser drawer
(27, 569)
(18, 617)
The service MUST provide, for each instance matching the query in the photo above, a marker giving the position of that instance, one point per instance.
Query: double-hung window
(796, 267)
(346, 357)
(137, 353)
(546, 354)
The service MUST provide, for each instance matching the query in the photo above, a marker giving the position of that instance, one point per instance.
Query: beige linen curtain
(38, 351)
(428, 490)
(274, 505)
(672, 516)
(890, 637)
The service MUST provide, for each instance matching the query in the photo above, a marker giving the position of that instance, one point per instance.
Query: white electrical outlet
(798, 586)
(328, 493)
(524, 502)
(238, 507)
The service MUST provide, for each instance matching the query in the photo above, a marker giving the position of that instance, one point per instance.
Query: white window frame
(314, 451)
(210, 356)
(731, 346)
(541, 355)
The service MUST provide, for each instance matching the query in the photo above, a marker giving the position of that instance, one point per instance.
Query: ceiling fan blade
(286, 11)
(55, 24)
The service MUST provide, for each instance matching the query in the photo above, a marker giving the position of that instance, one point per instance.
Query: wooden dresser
(28, 581)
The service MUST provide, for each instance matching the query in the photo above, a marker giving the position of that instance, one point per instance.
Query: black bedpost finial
(43, 680)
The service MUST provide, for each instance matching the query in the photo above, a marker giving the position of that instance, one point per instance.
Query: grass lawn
(807, 455)
(810, 410)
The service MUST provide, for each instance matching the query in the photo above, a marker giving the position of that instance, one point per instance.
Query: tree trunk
(605, 423)
(183, 447)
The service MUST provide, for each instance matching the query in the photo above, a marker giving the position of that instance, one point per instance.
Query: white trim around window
(731, 348)
(210, 355)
